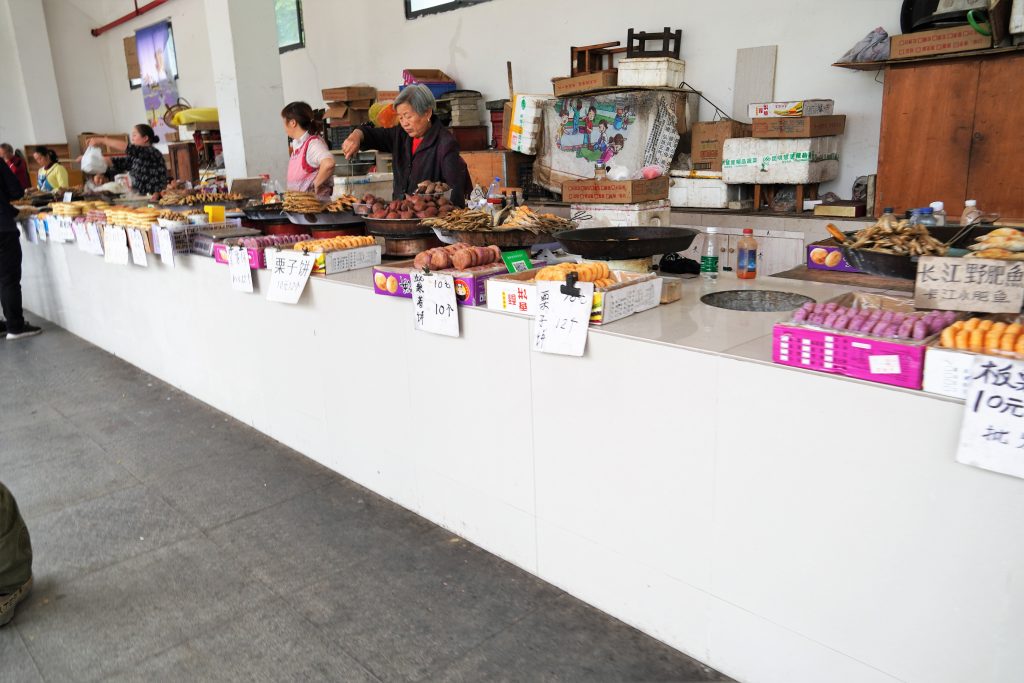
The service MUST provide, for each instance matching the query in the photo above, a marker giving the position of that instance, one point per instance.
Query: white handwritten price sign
(961, 284)
(116, 245)
(95, 242)
(68, 196)
(433, 303)
(238, 267)
(992, 432)
(289, 273)
(563, 317)
(67, 232)
(166, 238)
(137, 242)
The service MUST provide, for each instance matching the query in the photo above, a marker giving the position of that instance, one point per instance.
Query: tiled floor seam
(24, 644)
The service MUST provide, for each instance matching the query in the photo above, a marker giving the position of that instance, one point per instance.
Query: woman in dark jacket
(421, 148)
(142, 161)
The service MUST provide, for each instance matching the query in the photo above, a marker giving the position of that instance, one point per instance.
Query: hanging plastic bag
(93, 162)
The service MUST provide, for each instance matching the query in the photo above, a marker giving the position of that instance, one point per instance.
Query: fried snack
(900, 238)
(342, 204)
(302, 202)
(585, 272)
(334, 243)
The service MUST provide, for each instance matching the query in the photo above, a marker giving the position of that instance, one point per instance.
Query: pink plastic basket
(876, 360)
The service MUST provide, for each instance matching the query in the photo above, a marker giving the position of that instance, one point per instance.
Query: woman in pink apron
(311, 167)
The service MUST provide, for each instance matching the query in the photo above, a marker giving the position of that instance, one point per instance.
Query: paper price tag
(67, 232)
(95, 242)
(137, 243)
(81, 237)
(68, 196)
(166, 247)
(992, 431)
(238, 267)
(289, 273)
(562, 320)
(433, 303)
(115, 243)
(44, 230)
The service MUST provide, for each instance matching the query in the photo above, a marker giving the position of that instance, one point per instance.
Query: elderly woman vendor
(422, 148)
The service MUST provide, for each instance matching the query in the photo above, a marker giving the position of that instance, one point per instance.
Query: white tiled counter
(779, 525)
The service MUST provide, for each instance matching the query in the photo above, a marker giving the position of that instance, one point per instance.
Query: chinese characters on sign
(992, 432)
(561, 323)
(166, 247)
(95, 243)
(138, 246)
(116, 245)
(289, 273)
(433, 303)
(956, 284)
(238, 267)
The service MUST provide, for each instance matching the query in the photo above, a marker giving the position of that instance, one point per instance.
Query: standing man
(15, 557)
(14, 326)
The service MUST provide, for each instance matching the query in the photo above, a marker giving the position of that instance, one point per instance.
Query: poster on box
(630, 129)
(158, 65)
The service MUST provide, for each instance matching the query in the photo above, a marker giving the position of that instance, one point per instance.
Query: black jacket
(436, 159)
(10, 189)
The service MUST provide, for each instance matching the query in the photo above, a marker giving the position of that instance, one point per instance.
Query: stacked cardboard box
(464, 106)
(349, 105)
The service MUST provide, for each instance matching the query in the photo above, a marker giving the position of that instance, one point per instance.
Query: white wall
(349, 42)
(91, 72)
(15, 123)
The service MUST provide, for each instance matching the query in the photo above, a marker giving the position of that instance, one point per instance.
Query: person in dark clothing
(15, 326)
(16, 163)
(15, 557)
(422, 148)
(142, 161)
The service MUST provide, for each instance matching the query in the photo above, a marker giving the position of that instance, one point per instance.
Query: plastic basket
(436, 88)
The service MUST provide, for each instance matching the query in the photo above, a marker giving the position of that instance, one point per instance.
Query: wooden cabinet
(184, 161)
(951, 131)
(485, 166)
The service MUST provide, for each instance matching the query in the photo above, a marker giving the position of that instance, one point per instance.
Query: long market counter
(778, 525)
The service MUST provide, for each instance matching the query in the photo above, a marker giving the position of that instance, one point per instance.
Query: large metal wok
(614, 244)
(905, 267)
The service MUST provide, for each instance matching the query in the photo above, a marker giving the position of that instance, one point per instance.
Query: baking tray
(625, 242)
(264, 212)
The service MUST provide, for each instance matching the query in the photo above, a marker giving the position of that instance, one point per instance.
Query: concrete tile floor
(173, 543)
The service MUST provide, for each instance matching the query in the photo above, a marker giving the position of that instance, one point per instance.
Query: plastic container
(709, 258)
(971, 212)
(923, 217)
(494, 197)
(655, 72)
(939, 211)
(746, 256)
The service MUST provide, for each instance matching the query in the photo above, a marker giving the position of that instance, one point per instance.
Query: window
(418, 8)
(290, 34)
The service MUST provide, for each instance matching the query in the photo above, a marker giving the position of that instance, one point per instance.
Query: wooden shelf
(876, 66)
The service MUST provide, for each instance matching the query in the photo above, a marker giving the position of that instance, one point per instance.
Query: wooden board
(755, 79)
(927, 120)
(996, 176)
(833, 277)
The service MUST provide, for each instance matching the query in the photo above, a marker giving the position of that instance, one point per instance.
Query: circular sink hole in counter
(756, 301)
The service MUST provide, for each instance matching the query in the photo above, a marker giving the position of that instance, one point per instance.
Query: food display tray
(324, 219)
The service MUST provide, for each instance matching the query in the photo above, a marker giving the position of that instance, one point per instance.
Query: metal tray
(398, 227)
(506, 239)
(612, 244)
(324, 219)
(905, 267)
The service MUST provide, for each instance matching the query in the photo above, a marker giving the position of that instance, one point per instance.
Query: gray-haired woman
(421, 148)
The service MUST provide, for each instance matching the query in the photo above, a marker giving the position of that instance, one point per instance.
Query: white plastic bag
(93, 162)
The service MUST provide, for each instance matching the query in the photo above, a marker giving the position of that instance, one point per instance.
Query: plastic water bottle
(939, 211)
(709, 259)
(925, 217)
(494, 195)
(971, 212)
(746, 256)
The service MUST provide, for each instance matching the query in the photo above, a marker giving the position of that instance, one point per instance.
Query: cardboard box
(257, 257)
(800, 126)
(395, 279)
(826, 255)
(337, 261)
(940, 41)
(485, 166)
(345, 115)
(349, 93)
(708, 140)
(585, 82)
(615, 191)
(410, 76)
(635, 292)
(843, 208)
(790, 109)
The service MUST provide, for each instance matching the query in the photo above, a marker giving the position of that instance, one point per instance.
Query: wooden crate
(83, 138)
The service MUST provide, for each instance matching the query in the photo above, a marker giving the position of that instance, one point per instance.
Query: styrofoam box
(657, 213)
(780, 161)
(651, 71)
(706, 193)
